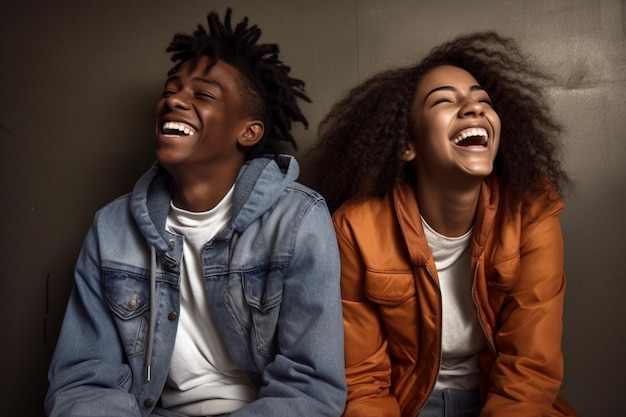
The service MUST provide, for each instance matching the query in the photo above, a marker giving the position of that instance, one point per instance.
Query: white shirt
(461, 334)
(203, 378)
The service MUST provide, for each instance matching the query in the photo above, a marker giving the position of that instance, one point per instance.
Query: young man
(214, 287)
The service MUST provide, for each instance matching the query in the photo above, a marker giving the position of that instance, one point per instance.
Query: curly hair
(267, 90)
(364, 136)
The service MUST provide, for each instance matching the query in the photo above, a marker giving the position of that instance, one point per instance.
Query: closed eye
(441, 100)
(205, 96)
(171, 87)
(167, 93)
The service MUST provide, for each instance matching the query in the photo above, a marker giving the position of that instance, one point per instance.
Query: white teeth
(470, 133)
(181, 127)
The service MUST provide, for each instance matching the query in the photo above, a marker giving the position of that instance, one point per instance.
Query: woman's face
(456, 130)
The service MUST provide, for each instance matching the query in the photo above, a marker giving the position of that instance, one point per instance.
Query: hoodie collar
(149, 205)
(260, 182)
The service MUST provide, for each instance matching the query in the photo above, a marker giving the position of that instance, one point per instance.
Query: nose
(472, 108)
(177, 100)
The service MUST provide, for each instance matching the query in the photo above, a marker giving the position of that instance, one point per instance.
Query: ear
(409, 153)
(252, 133)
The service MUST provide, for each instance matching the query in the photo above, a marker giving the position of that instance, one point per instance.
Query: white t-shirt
(203, 378)
(461, 334)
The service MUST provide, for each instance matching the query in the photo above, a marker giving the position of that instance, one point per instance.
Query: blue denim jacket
(272, 278)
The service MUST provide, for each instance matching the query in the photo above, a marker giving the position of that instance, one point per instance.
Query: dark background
(78, 85)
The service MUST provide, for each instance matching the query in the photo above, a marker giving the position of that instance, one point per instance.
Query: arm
(368, 366)
(527, 373)
(88, 375)
(306, 377)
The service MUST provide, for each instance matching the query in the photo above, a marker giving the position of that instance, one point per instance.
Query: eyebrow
(176, 78)
(452, 89)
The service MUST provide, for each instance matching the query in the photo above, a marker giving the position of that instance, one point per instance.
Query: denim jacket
(272, 279)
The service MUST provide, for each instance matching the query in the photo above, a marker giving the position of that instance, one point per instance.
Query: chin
(479, 172)
(165, 159)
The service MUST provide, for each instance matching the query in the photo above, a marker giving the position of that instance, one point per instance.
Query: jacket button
(172, 316)
(148, 403)
(132, 304)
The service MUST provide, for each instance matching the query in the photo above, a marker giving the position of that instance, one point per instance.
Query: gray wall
(78, 83)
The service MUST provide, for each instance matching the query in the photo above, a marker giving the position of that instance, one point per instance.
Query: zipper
(478, 314)
(439, 335)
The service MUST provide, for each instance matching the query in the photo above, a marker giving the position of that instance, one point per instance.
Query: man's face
(456, 130)
(199, 119)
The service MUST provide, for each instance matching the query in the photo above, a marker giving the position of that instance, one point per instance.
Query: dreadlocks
(267, 90)
(363, 137)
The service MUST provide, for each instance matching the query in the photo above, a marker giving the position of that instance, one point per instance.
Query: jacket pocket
(501, 278)
(128, 298)
(389, 288)
(263, 291)
(504, 274)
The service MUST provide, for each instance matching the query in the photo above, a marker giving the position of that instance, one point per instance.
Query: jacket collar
(408, 214)
(261, 181)
(488, 203)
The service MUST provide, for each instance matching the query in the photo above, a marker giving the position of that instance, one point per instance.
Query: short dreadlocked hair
(267, 90)
(364, 136)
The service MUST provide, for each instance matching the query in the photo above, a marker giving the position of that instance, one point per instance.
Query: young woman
(445, 181)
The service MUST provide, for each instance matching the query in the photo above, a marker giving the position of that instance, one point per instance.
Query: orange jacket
(392, 305)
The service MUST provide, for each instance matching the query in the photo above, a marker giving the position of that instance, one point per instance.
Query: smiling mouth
(177, 129)
(476, 136)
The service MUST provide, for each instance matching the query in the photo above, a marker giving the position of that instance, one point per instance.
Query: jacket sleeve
(528, 370)
(368, 366)
(306, 377)
(88, 375)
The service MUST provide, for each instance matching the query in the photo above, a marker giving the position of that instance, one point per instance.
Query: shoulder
(299, 203)
(543, 203)
(364, 215)
(114, 210)
(365, 208)
(299, 191)
(291, 207)
(546, 203)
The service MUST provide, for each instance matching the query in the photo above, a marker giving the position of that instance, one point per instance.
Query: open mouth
(177, 129)
(476, 136)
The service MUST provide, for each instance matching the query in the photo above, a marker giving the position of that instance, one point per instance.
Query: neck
(450, 212)
(197, 193)
(199, 198)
